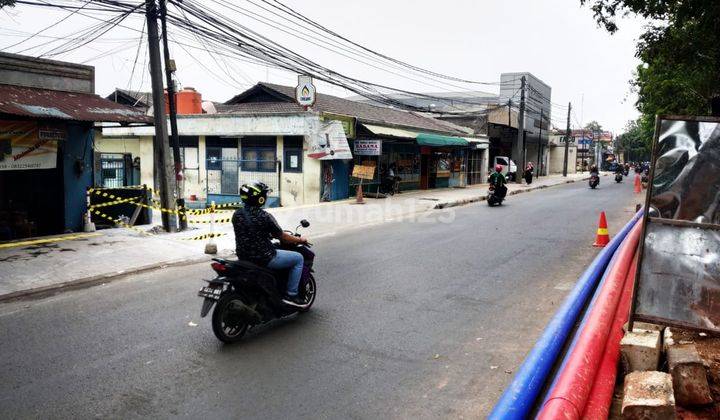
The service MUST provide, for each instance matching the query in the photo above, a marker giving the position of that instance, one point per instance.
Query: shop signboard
(329, 142)
(348, 122)
(305, 91)
(678, 280)
(364, 171)
(368, 147)
(26, 145)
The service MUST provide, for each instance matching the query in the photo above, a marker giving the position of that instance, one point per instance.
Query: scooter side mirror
(304, 223)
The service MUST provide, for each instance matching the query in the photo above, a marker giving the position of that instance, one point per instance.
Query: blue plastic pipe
(519, 397)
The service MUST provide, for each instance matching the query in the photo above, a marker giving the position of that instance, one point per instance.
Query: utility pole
(163, 177)
(175, 135)
(539, 145)
(567, 141)
(519, 149)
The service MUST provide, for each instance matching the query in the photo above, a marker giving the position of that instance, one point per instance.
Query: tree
(593, 126)
(634, 142)
(4, 3)
(680, 70)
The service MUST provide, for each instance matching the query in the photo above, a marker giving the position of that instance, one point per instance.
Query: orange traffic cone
(638, 187)
(602, 238)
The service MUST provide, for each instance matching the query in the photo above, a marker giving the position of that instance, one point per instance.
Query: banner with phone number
(26, 145)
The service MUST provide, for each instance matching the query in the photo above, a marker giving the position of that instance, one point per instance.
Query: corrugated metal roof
(44, 103)
(253, 108)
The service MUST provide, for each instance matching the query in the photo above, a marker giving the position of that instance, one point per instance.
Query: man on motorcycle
(254, 229)
(497, 180)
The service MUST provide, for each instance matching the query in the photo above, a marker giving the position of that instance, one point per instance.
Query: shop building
(47, 113)
(306, 156)
(556, 153)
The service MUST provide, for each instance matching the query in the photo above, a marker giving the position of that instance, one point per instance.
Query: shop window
(292, 153)
(189, 155)
(222, 165)
(258, 154)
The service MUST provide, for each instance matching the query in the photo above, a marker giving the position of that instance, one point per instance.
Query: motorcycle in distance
(594, 180)
(245, 294)
(618, 177)
(496, 195)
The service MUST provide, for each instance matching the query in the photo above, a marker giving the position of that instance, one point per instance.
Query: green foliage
(635, 141)
(593, 126)
(680, 70)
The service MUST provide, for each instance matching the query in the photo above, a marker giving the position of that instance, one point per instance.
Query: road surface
(425, 319)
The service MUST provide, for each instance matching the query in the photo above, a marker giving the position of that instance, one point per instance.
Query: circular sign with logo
(305, 91)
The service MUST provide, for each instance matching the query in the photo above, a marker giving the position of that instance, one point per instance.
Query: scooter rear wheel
(228, 327)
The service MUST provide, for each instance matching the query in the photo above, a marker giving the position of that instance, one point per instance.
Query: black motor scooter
(594, 180)
(496, 195)
(246, 294)
(618, 177)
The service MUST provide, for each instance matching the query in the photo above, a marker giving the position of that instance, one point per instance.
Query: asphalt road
(415, 319)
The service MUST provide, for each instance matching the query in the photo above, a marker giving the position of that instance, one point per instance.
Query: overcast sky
(556, 40)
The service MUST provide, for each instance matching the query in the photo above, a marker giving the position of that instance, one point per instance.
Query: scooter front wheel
(308, 293)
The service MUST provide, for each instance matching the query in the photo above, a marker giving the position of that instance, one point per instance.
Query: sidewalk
(79, 260)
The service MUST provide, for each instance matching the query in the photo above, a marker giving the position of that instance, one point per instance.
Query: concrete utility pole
(175, 135)
(567, 141)
(539, 145)
(519, 149)
(164, 179)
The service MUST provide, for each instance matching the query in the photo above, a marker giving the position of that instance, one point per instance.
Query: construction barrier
(521, 395)
(147, 202)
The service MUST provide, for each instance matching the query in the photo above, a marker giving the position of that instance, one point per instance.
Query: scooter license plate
(210, 292)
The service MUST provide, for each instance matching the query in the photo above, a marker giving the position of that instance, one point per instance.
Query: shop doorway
(31, 203)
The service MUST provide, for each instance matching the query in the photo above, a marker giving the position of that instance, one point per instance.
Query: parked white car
(509, 167)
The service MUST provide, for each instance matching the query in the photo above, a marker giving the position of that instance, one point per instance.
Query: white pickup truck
(509, 167)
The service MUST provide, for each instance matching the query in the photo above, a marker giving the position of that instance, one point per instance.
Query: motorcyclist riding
(497, 180)
(254, 229)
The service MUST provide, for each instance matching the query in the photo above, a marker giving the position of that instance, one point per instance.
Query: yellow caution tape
(226, 220)
(112, 203)
(120, 222)
(46, 240)
(205, 236)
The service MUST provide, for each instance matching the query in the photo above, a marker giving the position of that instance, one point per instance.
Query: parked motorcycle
(618, 177)
(594, 180)
(496, 195)
(245, 294)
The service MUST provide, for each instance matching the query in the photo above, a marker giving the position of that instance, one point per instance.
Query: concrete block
(643, 326)
(688, 375)
(648, 395)
(674, 336)
(641, 349)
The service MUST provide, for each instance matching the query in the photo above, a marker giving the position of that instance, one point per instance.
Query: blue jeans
(292, 260)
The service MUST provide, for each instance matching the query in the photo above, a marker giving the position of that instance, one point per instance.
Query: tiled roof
(259, 108)
(45, 103)
(362, 111)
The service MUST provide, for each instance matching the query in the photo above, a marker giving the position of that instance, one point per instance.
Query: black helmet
(254, 193)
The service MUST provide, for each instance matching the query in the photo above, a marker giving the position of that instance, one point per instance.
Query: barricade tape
(157, 206)
(113, 197)
(112, 203)
(226, 220)
(205, 236)
(119, 222)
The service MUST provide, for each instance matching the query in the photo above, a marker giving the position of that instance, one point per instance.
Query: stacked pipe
(569, 396)
(520, 396)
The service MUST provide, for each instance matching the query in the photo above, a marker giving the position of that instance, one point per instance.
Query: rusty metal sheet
(45, 103)
(678, 280)
(679, 283)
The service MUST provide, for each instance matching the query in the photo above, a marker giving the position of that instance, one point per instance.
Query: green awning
(436, 140)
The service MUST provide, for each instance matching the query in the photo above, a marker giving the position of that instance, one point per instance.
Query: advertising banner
(26, 145)
(678, 280)
(329, 142)
(368, 147)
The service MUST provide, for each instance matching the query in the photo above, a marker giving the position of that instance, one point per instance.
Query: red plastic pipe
(568, 398)
(598, 404)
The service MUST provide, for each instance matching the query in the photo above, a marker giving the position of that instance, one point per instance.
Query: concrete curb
(483, 197)
(44, 291)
